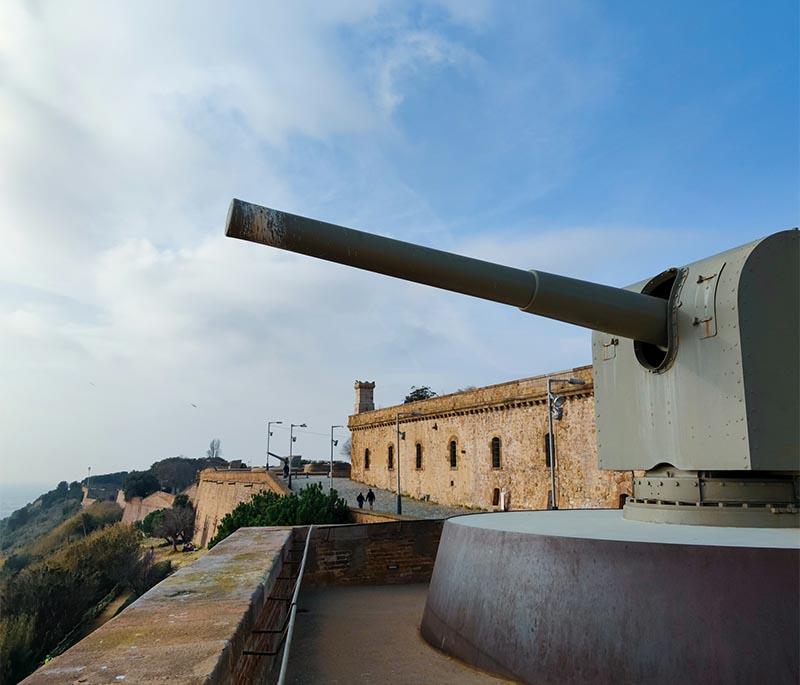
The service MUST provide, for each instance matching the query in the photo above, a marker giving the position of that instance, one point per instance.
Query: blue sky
(603, 140)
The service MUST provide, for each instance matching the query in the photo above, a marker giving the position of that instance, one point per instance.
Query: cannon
(696, 369)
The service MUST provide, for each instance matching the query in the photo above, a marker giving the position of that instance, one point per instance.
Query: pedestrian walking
(360, 500)
(370, 498)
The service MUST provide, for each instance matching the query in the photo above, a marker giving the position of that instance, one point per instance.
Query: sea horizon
(14, 496)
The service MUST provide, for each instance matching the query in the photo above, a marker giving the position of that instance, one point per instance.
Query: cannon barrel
(599, 307)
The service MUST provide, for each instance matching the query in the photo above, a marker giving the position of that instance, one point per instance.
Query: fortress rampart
(220, 490)
(137, 508)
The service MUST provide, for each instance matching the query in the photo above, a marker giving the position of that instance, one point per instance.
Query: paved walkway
(385, 499)
(369, 635)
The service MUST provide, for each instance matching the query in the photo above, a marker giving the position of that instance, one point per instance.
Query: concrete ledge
(190, 628)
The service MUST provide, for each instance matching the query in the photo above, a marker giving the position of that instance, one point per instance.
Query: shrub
(149, 572)
(150, 523)
(312, 505)
(17, 562)
(45, 601)
(17, 651)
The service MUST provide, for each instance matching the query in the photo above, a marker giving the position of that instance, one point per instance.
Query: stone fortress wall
(220, 490)
(137, 508)
(516, 413)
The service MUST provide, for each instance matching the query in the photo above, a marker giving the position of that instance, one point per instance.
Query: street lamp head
(302, 425)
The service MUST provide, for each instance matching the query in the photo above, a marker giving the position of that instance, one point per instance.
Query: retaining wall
(373, 553)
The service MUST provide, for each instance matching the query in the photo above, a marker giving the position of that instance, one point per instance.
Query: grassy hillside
(48, 511)
(78, 526)
(36, 519)
(50, 602)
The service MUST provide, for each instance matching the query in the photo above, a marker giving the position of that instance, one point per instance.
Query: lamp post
(551, 443)
(291, 443)
(269, 433)
(400, 415)
(333, 444)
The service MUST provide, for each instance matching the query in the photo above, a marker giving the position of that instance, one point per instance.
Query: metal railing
(287, 627)
(293, 610)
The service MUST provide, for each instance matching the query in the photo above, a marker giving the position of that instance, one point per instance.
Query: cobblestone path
(385, 499)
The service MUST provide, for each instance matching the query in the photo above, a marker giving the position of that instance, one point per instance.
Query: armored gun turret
(696, 369)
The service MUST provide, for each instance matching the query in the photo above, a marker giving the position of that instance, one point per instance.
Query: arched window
(495, 453)
(390, 457)
(366, 460)
(547, 449)
(453, 454)
(419, 456)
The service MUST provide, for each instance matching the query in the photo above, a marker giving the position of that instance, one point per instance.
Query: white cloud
(416, 52)
(125, 129)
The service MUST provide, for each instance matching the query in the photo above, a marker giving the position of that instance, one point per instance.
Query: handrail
(293, 611)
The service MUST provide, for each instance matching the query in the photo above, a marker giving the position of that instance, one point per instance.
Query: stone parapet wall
(195, 626)
(220, 490)
(514, 412)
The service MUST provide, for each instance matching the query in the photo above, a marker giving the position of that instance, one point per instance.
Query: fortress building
(488, 446)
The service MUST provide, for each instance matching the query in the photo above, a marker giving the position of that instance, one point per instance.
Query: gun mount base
(586, 596)
(739, 498)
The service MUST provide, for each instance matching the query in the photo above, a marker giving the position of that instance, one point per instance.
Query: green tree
(140, 484)
(419, 393)
(177, 525)
(312, 505)
(176, 473)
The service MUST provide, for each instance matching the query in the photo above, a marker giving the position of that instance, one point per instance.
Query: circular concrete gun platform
(587, 596)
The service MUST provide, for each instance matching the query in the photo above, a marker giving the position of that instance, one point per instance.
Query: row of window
(494, 445)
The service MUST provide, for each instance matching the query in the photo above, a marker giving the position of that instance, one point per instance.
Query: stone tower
(364, 401)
